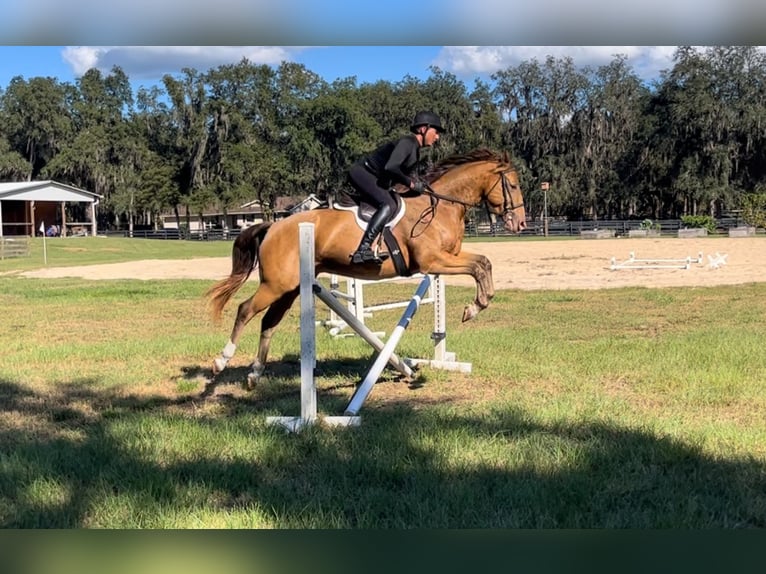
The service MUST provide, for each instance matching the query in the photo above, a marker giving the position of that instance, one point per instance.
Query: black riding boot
(364, 253)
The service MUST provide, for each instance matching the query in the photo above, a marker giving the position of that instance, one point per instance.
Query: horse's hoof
(252, 381)
(470, 312)
(219, 365)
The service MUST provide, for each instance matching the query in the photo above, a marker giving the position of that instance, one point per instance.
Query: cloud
(152, 62)
(465, 61)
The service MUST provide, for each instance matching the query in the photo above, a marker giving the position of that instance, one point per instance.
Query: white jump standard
(308, 343)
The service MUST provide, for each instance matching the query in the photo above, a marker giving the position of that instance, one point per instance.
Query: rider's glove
(418, 187)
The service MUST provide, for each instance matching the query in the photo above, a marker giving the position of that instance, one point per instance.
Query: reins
(434, 194)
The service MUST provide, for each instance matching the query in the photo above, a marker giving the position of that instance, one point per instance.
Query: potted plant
(696, 226)
(647, 228)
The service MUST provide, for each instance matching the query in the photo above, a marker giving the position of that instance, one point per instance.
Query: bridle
(508, 204)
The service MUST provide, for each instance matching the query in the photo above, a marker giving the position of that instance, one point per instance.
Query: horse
(430, 236)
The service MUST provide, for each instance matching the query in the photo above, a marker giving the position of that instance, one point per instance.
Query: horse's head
(483, 175)
(504, 196)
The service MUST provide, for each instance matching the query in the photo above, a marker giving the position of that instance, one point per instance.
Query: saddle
(363, 211)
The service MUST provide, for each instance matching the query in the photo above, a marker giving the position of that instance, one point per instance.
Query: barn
(25, 206)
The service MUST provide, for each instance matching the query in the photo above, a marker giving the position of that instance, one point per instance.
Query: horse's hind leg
(248, 309)
(269, 323)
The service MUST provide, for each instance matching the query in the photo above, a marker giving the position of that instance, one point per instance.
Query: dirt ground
(566, 264)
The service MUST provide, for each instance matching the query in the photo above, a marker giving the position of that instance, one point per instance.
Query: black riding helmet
(426, 118)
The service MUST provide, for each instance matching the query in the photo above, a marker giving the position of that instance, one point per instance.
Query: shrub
(754, 209)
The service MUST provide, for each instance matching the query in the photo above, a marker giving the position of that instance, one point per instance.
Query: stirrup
(368, 256)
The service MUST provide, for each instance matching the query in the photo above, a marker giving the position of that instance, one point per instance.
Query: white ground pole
(633, 263)
(308, 344)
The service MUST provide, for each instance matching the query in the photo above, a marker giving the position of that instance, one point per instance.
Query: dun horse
(430, 236)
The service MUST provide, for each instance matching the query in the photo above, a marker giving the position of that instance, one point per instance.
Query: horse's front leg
(485, 286)
(477, 266)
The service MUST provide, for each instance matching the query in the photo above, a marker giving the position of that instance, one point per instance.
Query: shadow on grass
(91, 458)
(288, 368)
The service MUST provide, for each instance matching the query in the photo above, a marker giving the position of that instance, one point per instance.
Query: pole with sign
(545, 186)
(45, 247)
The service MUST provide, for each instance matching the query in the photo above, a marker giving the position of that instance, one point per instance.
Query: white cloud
(151, 62)
(465, 61)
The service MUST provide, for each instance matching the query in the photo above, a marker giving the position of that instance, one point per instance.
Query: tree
(605, 129)
(91, 158)
(37, 119)
(714, 106)
(12, 165)
(538, 103)
(189, 126)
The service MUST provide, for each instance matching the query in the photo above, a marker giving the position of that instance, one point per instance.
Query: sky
(145, 65)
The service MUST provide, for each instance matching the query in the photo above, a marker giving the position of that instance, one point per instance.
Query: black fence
(563, 228)
(178, 234)
(480, 226)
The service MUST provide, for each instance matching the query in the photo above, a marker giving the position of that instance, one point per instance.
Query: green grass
(621, 408)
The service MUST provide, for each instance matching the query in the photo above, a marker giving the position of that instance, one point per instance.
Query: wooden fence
(14, 247)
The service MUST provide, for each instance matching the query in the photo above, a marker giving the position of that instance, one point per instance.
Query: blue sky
(146, 64)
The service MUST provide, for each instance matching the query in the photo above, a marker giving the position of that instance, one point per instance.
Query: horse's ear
(506, 157)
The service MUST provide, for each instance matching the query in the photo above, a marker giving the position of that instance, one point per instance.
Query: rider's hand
(418, 187)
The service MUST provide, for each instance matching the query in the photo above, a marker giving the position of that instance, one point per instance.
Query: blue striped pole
(380, 363)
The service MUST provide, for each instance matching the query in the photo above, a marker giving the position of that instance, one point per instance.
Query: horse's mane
(446, 164)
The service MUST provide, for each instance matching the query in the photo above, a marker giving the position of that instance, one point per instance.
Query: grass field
(620, 408)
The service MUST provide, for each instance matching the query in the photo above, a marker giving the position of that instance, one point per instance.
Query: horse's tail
(244, 258)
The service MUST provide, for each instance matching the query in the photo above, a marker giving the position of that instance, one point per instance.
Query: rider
(392, 162)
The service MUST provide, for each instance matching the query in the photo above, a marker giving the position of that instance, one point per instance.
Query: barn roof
(45, 191)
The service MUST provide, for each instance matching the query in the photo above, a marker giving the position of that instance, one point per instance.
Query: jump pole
(380, 362)
(309, 287)
(354, 312)
(354, 296)
(361, 329)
